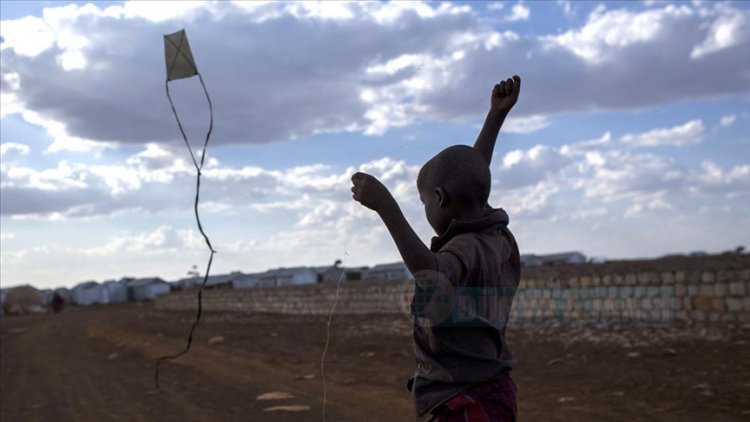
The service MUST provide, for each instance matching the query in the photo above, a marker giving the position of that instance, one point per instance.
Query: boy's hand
(505, 94)
(368, 191)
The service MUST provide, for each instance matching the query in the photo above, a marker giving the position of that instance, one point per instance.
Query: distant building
(286, 277)
(89, 293)
(529, 260)
(564, 258)
(335, 273)
(392, 271)
(146, 288)
(117, 291)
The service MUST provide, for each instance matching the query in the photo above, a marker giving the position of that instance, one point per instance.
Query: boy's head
(453, 184)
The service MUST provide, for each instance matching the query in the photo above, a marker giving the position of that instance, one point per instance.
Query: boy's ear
(442, 197)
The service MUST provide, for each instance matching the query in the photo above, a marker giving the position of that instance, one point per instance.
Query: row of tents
(26, 299)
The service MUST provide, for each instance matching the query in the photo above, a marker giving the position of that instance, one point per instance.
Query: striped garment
(491, 402)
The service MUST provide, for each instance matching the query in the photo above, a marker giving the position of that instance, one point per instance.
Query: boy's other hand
(505, 94)
(370, 192)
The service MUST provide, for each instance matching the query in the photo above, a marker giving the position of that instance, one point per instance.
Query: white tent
(117, 292)
(147, 288)
(89, 293)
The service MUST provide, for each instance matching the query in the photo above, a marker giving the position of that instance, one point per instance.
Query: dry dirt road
(97, 364)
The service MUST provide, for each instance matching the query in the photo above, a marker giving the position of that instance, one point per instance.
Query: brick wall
(710, 289)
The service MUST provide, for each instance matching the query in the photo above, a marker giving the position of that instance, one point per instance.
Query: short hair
(461, 171)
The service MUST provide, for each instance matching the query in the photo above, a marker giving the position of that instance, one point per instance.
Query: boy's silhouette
(463, 362)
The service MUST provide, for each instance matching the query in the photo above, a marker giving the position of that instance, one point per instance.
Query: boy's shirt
(480, 260)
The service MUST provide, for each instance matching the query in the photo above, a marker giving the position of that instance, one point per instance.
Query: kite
(180, 64)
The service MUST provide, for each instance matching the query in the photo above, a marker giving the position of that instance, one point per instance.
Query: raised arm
(504, 97)
(371, 193)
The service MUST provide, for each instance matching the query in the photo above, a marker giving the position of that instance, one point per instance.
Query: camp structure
(395, 271)
(23, 300)
(287, 277)
(89, 293)
(142, 289)
(117, 291)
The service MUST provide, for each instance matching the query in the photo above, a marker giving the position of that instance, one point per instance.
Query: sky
(631, 137)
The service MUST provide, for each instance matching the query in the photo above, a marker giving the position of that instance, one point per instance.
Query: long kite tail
(198, 168)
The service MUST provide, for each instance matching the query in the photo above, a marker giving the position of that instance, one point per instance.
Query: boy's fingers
(517, 85)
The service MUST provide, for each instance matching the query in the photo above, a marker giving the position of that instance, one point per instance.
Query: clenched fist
(505, 94)
(370, 192)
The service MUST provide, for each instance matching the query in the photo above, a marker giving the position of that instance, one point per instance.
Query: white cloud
(525, 125)
(393, 64)
(10, 151)
(606, 31)
(685, 134)
(729, 28)
(518, 12)
(495, 5)
(728, 120)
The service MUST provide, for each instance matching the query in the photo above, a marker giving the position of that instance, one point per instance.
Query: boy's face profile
(435, 208)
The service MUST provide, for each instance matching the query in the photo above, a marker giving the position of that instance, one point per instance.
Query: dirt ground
(97, 364)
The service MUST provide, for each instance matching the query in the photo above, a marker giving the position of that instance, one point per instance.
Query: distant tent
(117, 292)
(89, 293)
(147, 288)
(23, 300)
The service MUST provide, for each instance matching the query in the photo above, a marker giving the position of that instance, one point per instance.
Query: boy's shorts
(491, 402)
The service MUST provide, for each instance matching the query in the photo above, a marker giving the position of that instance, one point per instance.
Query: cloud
(10, 151)
(728, 120)
(343, 67)
(727, 30)
(685, 134)
(518, 12)
(525, 125)
(521, 168)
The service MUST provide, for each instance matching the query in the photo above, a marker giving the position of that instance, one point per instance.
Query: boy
(467, 277)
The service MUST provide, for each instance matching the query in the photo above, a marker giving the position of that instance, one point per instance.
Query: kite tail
(198, 168)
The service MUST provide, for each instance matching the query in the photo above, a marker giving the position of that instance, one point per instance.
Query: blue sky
(630, 138)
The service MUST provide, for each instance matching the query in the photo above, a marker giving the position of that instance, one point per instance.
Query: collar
(492, 217)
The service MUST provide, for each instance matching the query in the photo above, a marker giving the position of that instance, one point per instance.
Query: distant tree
(337, 263)
(739, 250)
(194, 271)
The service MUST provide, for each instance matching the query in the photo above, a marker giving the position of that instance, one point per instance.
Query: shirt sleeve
(456, 260)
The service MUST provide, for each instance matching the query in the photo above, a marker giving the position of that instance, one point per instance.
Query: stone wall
(711, 289)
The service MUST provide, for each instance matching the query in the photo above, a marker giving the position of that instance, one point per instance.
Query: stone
(706, 290)
(718, 304)
(708, 277)
(692, 290)
(703, 303)
(679, 277)
(720, 289)
(734, 304)
(688, 303)
(698, 316)
(737, 288)
(694, 277)
(680, 289)
(667, 277)
(746, 304)
(631, 279)
(274, 395)
(216, 340)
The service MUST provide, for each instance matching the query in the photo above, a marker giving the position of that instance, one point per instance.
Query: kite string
(346, 254)
(198, 169)
(333, 307)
